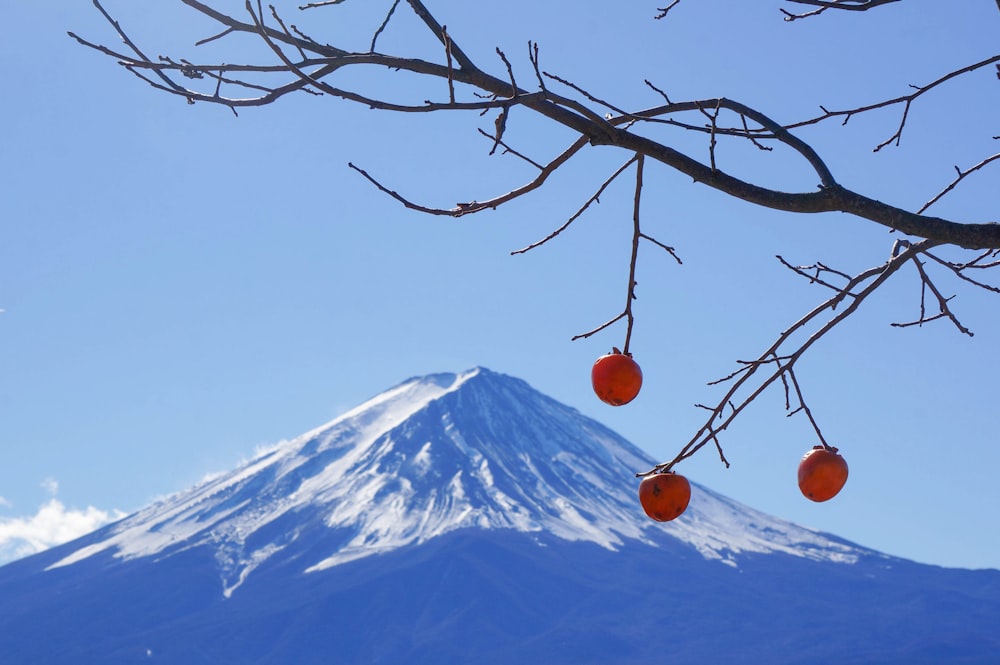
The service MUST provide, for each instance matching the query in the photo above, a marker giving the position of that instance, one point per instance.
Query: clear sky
(180, 286)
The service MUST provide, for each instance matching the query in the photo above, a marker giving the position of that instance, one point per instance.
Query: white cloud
(4, 503)
(52, 525)
(51, 485)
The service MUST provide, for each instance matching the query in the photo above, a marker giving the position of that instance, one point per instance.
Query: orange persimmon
(616, 378)
(664, 496)
(822, 473)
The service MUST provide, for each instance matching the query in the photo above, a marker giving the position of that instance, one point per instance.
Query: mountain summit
(468, 518)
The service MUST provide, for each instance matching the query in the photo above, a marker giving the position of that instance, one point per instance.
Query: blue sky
(180, 286)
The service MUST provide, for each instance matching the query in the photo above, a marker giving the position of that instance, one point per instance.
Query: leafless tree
(305, 64)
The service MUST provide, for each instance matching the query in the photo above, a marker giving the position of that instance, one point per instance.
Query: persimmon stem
(804, 408)
(636, 236)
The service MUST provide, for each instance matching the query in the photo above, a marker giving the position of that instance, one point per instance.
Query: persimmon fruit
(822, 473)
(664, 496)
(616, 378)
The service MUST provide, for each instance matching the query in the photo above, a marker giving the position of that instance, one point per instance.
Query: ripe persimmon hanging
(616, 378)
(664, 496)
(822, 473)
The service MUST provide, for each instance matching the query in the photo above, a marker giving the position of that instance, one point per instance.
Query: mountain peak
(436, 454)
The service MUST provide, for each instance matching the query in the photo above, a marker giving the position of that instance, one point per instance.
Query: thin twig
(961, 176)
(959, 270)
(664, 10)
(533, 57)
(493, 203)
(944, 311)
(599, 328)
(904, 99)
(323, 3)
(381, 28)
(634, 259)
(815, 278)
(284, 28)
(451, 68)
(713, 119)
(853, 5)
(596, 100)
(804, 408)
(595, 198)
(670, 250)
(507, 148)
(409, 204)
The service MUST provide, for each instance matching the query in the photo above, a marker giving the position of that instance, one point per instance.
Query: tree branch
(459, 85)
(851, 5)
(718, 421)
(595, 198)
(961, 176)
(590, 125)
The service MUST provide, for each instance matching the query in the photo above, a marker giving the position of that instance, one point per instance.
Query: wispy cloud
(4, 503)
(51, 485)
(52, 525)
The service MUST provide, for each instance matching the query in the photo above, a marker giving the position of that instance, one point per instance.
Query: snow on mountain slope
(430, 456)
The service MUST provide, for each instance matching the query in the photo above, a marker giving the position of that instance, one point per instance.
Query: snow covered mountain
(458, 513)
(430, 456)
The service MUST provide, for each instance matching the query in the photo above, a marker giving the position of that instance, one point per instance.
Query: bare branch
(818, 269)
(451, 69)
(324, 3)
(590, 125)
(853, 5)
(789, 16)
(533, 57)
(128, 42)
(714, 119)
(944, 311)
(477, 206)
(961, 176)
(206, 40)
(599, 328)
(663, 10)
(778, 131)
(586, 94)
(303, 64)
(906, 100)
(959, 269)
(595, 198)
(385, 22)
(463, 60)
(295, 42)
(657, 90)
(406, 202)
(670, 250)
(718, 421)
(803, 407)
(507, 148)
(235, 25)
(636, 235)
